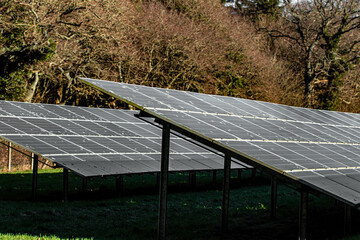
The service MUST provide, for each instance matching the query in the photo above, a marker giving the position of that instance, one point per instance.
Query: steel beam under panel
(165, 147)
(35, 176)
(226, 193)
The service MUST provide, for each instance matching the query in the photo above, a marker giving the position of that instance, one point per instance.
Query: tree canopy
(308, 48)
(325, 36)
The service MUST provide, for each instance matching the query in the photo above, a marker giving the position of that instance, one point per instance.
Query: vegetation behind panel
(260, 50)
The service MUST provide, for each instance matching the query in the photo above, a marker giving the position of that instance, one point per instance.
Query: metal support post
(214, 178)
(347, 219)
(65, 184)
(273, 197)
(226, 194)
(192, 179)
(239, 175)
(164, 181)
(253, 174)
(32, 161)
(9, 156)
(119, 183)
(35, 176)
(84, 185)
(303, 209)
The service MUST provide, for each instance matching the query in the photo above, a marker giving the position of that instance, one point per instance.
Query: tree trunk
(308, 77)
(65, 87)
(32, 88)
(308, 80)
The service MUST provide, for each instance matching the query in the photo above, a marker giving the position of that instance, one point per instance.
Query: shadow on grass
(102, 214)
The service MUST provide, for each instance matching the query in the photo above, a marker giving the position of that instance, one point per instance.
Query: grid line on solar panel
(280, 132)
(84, 139)
(23, 113)
(322, 169)
(300, 156)
(64, 139)
(86, 136)
(125, 153)
(62, 119)
(252, 117)
(254, 104)
(313, 146)
(131, 94)
(40, 129)
(284, 141)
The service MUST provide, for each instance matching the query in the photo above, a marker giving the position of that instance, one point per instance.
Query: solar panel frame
(83, 134)
(326, 131)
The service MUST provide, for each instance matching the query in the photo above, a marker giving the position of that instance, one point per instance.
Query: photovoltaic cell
(303, 144)
(97, 142)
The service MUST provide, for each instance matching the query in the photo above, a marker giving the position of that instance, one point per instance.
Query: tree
(256, 9)
(23, 45)
(325, 34)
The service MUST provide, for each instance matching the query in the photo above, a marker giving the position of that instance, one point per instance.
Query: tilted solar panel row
(99, 142)
(317, 148)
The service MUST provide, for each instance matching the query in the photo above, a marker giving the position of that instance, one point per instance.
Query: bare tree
(24, 46)
(325, 34)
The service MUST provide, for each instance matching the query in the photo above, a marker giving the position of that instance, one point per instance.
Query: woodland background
(303, 53)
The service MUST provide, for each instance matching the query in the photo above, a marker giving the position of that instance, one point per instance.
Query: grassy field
(102, 214)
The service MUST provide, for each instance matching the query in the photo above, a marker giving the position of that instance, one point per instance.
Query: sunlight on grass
(29, 237)
(260, 206)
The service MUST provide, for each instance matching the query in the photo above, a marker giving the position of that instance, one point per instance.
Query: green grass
(102, 214)
(29, 237)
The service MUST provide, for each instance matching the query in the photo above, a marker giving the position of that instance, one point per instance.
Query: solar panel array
(320, 149)
(98, 142)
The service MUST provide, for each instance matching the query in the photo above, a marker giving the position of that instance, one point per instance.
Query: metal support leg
(239, 175)
(164, 181)
(119, 183)
(273, 197)
(65, 184)
(35, 176)
(214, 177)
(347, 219)
(32, 161)
(304, 196)
(192, 180)
(226, 193)
(253, 174)
(9, 156)
(84, 185)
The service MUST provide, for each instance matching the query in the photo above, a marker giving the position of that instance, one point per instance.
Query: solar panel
(314, 147)
(99, 142)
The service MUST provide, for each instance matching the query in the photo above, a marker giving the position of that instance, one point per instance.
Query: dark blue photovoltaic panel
(98, 142)
(34, 144)
(313, 146)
